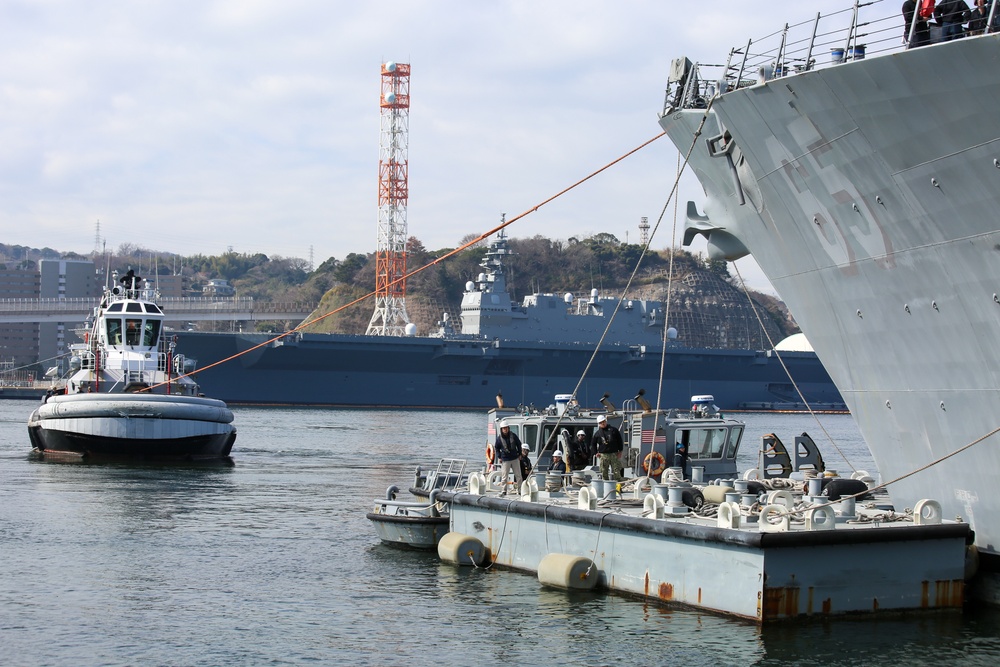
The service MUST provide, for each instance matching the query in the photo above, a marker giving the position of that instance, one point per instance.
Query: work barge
(785, 540)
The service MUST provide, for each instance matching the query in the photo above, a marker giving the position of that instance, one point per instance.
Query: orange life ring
(661, 463)
(490, 455)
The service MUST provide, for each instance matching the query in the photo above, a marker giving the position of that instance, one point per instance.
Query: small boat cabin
(712, 440)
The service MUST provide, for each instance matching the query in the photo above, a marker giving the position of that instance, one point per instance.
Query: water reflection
(272, 561)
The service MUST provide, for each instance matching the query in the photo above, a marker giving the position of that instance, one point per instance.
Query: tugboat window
(133, 329)
(114, 332)
(150, 333)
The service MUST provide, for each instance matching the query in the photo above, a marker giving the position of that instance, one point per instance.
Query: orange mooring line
(474, 241)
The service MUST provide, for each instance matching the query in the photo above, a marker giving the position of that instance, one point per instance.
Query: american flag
(647, 437)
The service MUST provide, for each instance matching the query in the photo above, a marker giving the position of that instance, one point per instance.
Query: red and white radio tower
(390, 317)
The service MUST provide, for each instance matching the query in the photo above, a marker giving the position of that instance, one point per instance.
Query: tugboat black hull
(139, 427)
(51, 442)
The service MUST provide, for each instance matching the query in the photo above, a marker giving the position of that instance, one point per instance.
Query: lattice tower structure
(390, 318)
(643, 230)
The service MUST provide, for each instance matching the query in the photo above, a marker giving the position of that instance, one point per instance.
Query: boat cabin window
(114, 331)
(734, 442)
(133, 331)
(551, 438)
(150, 333)
(153, 308)
(133, 307)
(529, 437)
(114, 308)
(704, 443)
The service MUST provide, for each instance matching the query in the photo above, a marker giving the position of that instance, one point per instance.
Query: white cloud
(194, 126)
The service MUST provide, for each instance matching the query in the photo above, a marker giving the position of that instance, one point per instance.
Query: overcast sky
(198, 126)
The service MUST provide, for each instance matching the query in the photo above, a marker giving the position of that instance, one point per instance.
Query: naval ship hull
(424, 372)
(870, 195)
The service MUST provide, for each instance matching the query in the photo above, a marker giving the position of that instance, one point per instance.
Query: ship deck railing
(860, 30)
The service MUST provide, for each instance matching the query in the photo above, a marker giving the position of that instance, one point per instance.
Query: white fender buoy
(567, 571)
(652, 506)
(461, 549)
(927, 512)
(821, 518)
(765, 515)
(752, 473)
(477, 483)
(587, 499)
(729, 515)
(716, 494)
(782, 497)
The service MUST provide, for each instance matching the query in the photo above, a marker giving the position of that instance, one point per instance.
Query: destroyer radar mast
(389, 318)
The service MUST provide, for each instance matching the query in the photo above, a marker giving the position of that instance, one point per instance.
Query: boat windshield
(114, 331)
(137, 331)
(704, 443)
(529, 436)
(151, 333)
(734, 442)
(133, 327)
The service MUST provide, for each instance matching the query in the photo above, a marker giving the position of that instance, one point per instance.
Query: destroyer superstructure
(867, 189)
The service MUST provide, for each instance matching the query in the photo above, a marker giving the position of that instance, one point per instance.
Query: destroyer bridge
(180, 309)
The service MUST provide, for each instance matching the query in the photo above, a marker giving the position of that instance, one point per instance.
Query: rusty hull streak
(949, 592)
(666, 592)
(781, 602)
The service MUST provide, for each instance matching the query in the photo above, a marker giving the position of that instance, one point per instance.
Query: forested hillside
(707, 308)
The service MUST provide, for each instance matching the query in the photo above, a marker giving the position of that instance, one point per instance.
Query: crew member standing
(608, 443)
(525, 462)
(508, 449)
(681, 458)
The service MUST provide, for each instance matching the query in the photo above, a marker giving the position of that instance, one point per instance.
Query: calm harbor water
(271, 561)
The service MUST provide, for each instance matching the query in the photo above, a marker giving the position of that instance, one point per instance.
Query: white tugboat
(129, 396)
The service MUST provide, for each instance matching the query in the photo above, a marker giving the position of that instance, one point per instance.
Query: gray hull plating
(872, 190)
(748, 573)
(386, 371)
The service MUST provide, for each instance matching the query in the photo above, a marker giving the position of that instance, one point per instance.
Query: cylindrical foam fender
(461, 549)
(716, 494)
(567, 571)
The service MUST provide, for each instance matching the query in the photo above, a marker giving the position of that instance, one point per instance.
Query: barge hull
(745, 573)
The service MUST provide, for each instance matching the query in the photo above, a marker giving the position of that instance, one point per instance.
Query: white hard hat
(581, 433)
(558, 452)
(602, 418)
(524, 446)
(503, 423)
